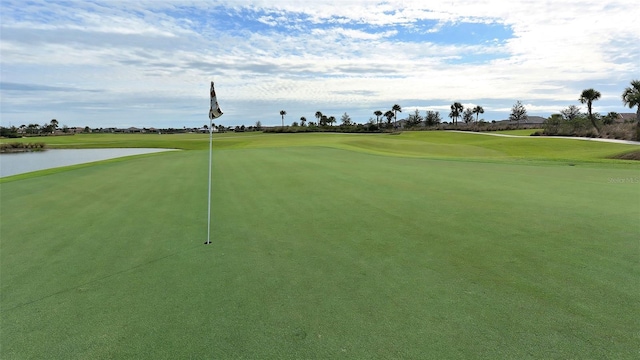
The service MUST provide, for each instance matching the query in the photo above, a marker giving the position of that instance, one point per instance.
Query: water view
(20, 163)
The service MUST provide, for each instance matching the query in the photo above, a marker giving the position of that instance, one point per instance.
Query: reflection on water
(20, 163)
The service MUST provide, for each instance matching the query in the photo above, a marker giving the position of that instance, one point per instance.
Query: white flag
(214, 110)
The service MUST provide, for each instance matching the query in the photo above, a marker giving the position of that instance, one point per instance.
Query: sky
(142, 63)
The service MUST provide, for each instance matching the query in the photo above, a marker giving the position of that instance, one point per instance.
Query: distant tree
(467, 115)
(319, 117)
(456, 112)
(331, 120)
(414, 119)
(631, 98)
(303, 120)
(588, 96)
(610, 118)
(372, 125)
(433, 118)
(478, 110)
(54, 124)
(283, 113)
(389, 115)
(551, 126)
(518, 113)
(9, 132)
(295, 124)
(571, 112)
(324, 120)
(258, 125)
(33, 128)
(346, 120)
(377, 113)
(46, 128)
(396, 108)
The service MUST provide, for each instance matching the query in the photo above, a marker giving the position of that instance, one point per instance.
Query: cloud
(354, 56)
(9, 86)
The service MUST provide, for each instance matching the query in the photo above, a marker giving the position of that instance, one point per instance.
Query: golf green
(318, 251)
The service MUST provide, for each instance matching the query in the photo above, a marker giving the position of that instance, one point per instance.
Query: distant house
(627, 117)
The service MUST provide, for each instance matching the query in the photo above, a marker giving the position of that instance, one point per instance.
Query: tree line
(570, 121)
(33, 129)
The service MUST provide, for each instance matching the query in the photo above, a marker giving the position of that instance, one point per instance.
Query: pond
(24, 162)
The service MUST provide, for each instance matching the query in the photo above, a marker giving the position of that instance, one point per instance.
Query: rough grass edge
(632, 155)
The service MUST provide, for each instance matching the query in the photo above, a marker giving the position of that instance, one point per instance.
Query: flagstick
(209, 197)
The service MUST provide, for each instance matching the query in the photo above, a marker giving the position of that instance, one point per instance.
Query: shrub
(17, 146)
(581, 126)
(624, 131)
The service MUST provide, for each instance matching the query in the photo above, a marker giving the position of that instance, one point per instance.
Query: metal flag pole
(214, 112)
(210, 158)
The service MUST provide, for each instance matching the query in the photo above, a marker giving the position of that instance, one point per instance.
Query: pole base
(207, 242)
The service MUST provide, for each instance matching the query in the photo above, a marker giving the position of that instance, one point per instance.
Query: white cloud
(311, 56)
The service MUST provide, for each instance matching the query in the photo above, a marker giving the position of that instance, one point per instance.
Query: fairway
(419, 245)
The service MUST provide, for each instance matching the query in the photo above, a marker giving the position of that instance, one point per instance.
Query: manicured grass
(456, 246)
(519, 132)
(426, 144)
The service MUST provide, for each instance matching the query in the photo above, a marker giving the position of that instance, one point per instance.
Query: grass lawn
(519, 132)
(420, 245)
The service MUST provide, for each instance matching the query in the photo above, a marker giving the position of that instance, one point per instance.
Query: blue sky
(149, 63)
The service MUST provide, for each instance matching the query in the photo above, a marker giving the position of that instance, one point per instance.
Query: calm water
(20, 163)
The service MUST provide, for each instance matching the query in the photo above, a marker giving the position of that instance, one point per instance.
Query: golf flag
(214, 112)
(214, 109)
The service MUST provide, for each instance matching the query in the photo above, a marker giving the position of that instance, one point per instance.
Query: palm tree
(588, 96)
(377, 113)
(331, 120)
(389, 116)
(318, 116)
(631, 98)
(395, 110)
(303, 120)
(283, 113)
(456, 111)
(478, 110)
